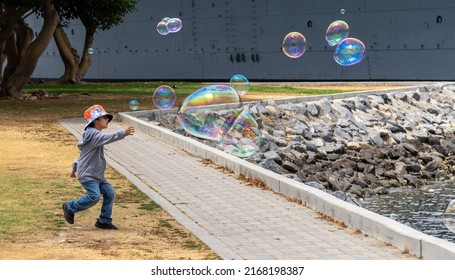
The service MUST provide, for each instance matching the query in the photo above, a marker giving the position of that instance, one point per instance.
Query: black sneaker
(101, 225)
(69, 217)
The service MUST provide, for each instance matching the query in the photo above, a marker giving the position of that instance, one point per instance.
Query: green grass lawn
(180, 88)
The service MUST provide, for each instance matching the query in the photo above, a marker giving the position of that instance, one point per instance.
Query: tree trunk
(13, 58)
(8, 24)
(27, 64)
(69, 56)
(15, 48)
(86, 60)
(75, 67)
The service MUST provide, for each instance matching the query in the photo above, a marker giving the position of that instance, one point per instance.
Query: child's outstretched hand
(129, 130)
(73, 175)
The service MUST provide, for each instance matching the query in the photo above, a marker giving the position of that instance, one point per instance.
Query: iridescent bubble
(243, 137)
(350, 51)
(450, 210)
(162, 28)
(90, 51)
(133, 104)
(207, 112)
(164, 97)
(449, 222)
(174, 25)
(449, 216)
(240, 83)
(342, 11)
(294, 45)
(336, 32)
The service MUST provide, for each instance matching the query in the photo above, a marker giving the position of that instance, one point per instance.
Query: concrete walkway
(236, 220)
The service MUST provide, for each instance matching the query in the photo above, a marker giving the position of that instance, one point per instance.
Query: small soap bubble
(342, 11)
(336, 32)
(174, 25)
(350, 51)
(164, 97)
(294, 45)
(162, 28)
(240, 83)
(90, 51)
(133, 104)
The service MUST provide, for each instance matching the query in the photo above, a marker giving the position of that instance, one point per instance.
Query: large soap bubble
(350, 51)
(207, 112)
(164, 97)
(294, 45)
(243, 137)
(336, 32)
(240, 83)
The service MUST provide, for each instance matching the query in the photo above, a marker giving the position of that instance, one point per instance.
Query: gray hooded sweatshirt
(91, 163)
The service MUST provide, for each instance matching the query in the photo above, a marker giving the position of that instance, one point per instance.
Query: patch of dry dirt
(35, 163)
(141, 236)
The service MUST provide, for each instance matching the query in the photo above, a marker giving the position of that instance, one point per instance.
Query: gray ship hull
(404, 40)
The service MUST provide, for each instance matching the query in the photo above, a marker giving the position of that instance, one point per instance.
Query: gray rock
(272, 155)
(325, 105)
(312, 109)
(290, 166)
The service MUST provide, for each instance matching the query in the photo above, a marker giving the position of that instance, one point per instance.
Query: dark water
(421, 209)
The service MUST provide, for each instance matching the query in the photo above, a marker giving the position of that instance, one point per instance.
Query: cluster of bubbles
(216, 113)
(169, 25)
(348, 51)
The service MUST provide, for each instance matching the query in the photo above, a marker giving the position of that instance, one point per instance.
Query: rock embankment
(360, 146)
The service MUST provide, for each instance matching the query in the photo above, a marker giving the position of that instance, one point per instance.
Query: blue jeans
(93, 195)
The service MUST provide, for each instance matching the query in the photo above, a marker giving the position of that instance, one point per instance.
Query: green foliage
(20, 3)
(96, 14)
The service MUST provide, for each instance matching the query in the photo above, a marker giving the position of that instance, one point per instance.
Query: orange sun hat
(95, 112)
